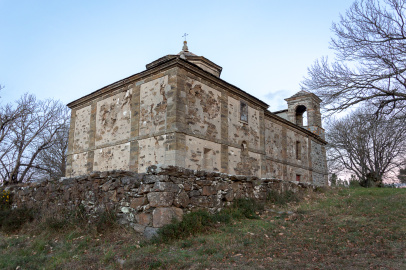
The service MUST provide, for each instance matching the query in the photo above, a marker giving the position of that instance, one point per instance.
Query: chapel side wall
(318, 159)
(281, 159)
(244, 134)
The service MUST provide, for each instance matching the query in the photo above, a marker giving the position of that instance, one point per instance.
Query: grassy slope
(347, 229)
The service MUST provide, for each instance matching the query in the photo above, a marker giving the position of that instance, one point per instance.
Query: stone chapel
(180, 112)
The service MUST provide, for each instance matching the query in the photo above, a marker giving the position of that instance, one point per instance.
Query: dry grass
(343, 228)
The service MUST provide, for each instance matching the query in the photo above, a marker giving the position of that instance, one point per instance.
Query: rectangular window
(243, 111)
(298, 177)
(298, 150)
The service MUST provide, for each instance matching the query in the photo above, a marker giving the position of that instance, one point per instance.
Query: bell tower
(304, 104)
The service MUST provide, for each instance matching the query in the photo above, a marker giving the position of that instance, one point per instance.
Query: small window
(243, 111)
(298, 177)
(298, 150)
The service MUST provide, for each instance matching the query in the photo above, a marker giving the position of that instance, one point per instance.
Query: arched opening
(301, 115)
(244, 147)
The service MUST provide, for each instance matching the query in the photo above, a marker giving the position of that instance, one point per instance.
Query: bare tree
(34, 129)
(366, 145)
(370, 64)
(402, 175)
(52, 161)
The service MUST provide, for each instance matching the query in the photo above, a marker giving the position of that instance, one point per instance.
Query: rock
(159, 199)
(143, 219)
(209, 190)
(149, 179)
(136, 202)
(144, 189)
(165, 186)
(150, 232)
(164, 215)
(181, 200)
(138, 227)
(229, 195)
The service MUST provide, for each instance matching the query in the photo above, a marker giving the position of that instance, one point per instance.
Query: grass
(342, 228)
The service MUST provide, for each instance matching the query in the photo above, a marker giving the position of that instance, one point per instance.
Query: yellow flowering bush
(5, 199)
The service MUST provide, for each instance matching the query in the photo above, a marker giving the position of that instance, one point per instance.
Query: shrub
(12, 220)
(5, 199)
(202, 221)
(283, 198)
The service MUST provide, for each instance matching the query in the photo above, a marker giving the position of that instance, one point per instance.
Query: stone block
(204, 182)
(144, 188)
(181, 200)
(209, 190)
(160, 199)
(229, 195)
(150, 232)
(222, 186)
(136, 202)
(138, 228)
(202, 201)
(149, 179)
(165, 186)
(143, 218)
(164, 215)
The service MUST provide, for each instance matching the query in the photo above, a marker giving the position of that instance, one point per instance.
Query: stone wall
(148, 201)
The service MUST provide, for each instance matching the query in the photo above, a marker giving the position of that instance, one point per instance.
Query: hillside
(337, 229)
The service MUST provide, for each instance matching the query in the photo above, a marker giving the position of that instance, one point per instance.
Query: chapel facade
(180, 112)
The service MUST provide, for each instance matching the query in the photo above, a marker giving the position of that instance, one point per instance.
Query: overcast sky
(67, 49)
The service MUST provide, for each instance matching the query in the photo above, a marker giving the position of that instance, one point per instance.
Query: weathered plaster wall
(274, 169)
(115, 157)
(79, 164)
(292, 138)
(203, 113)
(113, 118)
(273, 139)
(239, 131)
(82, 127)
(243, 162)
(153, 106)
(319, 164)
(151, 151)
(292, 171)
(202, 154)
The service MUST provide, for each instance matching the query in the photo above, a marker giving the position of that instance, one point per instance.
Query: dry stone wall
(148, 201)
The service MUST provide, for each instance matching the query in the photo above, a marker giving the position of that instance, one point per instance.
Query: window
(300, 115)
(243, 111)
(298, 150)
(298, 177)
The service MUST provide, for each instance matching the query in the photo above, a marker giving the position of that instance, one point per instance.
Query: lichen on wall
(82, 127)
(113, 118)
(202, 154)
(153, 105)
(112, 158)
(203, 109)
(239, 131)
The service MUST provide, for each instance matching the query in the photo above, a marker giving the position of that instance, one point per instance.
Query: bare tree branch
(370, 66)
